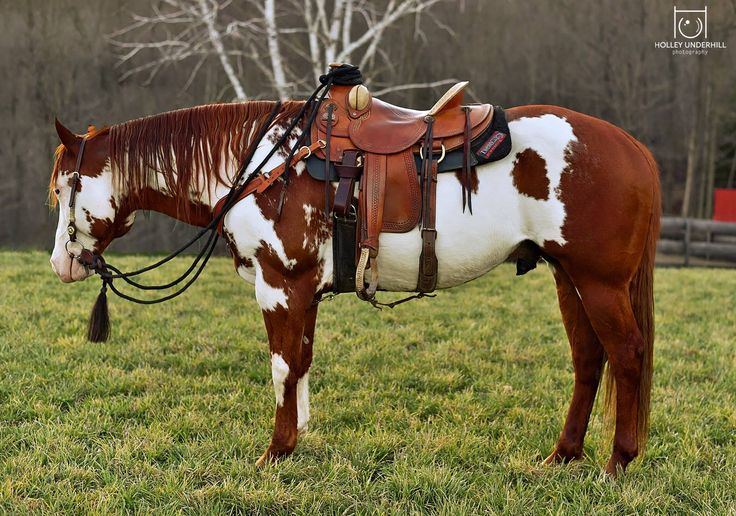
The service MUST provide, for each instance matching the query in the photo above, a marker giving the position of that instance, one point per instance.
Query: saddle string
(324, 87)
(466, 183)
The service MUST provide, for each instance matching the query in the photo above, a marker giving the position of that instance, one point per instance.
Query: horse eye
(57, 191)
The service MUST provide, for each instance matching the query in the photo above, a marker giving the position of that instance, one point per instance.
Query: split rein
(99, 323)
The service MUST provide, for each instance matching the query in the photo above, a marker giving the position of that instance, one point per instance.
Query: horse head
(92, 211)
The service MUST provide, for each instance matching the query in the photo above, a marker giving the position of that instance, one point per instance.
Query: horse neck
(193, 205)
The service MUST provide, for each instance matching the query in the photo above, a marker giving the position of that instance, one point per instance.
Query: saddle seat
(375, 126)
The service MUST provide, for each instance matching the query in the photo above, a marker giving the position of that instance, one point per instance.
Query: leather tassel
(99, 320)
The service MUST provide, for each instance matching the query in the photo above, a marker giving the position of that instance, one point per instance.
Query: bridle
(89, 259)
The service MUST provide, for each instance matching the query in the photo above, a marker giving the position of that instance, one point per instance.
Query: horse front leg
(302, 385)
(286, 322)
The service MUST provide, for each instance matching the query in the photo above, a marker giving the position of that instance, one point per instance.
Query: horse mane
(173, 147)
(177, 145)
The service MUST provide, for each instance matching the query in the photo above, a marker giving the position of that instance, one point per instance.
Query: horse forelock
(189, 148)
(58, 157)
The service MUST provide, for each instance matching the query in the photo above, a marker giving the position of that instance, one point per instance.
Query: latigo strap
(427, 280)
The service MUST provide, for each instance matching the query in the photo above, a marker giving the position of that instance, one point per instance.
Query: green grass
(446, 405)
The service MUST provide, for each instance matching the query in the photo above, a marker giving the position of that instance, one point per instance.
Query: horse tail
(641, 294)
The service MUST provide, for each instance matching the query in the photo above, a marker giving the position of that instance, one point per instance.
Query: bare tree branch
(316, 33)
(209, 13)
(414, 86)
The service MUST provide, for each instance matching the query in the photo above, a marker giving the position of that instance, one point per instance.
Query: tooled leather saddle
(395, 154)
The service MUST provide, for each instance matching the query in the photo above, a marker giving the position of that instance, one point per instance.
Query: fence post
(687, 242)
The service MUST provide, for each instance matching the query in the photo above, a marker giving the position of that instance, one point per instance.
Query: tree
(237, 37)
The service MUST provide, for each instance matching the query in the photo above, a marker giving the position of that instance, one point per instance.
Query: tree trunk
(277, 61)
(692, 159)
(208, 13)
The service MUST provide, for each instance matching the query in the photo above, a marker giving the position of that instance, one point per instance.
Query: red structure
(724, 208)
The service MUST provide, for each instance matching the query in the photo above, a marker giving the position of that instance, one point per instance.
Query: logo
(690, 24)
(491, 144)
(690, 33)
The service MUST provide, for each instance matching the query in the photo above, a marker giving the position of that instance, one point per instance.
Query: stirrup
(366, 294)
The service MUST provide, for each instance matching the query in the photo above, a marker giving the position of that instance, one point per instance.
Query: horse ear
(69, 139)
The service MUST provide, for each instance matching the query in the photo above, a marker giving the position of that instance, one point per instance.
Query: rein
(99, 324)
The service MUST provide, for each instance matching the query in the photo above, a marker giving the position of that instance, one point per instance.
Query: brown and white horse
(583, 190)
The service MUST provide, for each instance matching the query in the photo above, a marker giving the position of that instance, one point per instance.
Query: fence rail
(697, 242)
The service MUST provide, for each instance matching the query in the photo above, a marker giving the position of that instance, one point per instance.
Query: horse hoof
(265, 459)
(562, 456)
(553, 458)
(613, 469)
(273, 455)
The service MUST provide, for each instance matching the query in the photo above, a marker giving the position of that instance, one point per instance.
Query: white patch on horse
(468, 245)
(248, 274)
(302, 402)
(326, 264)
(95, 197)
(309, 212)
(279, 372)
(265, 146)
(550, 136)
(267, 296)
(99, 198)
(251, 230)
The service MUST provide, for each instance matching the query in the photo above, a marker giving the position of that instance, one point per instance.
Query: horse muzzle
(70, 269)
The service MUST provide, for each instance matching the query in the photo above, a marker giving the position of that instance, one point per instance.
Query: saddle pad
(492, 144)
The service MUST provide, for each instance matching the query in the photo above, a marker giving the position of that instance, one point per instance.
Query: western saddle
(376, 143)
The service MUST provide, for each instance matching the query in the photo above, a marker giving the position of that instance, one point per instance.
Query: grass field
(446, 405)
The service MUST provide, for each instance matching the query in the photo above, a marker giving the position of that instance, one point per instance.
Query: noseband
(84, 256)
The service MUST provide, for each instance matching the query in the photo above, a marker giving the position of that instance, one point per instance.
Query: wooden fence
(696, 242)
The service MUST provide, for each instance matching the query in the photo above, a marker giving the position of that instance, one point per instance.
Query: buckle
(442, 156)
(351, 217)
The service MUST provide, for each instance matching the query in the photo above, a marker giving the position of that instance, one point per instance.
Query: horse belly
(467, 245)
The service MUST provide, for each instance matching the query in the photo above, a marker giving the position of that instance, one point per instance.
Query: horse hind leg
(588, 358)
(612, 317)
